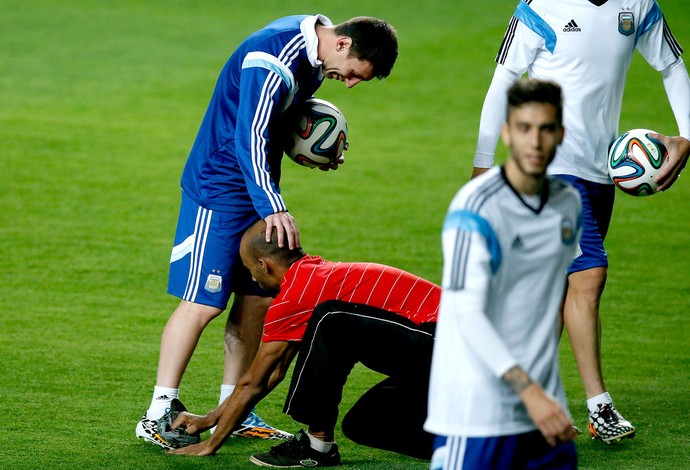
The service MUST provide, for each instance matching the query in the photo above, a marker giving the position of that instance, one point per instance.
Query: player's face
(533, 133)
(345, 68)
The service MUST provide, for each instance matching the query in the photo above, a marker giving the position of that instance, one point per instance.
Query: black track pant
(391, 414)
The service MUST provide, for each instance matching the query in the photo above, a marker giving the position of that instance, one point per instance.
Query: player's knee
(587, 285)
(352, 427)
(203, 314)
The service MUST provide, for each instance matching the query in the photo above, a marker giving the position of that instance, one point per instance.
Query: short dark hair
(373, 40)
(255, 242)
(536, 91)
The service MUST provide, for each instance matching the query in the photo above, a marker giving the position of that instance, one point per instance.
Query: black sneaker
(609, 425)
(297, 453)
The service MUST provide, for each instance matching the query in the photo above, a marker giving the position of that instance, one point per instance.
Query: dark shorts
(391, 414)
(528, 450)
(597, 207)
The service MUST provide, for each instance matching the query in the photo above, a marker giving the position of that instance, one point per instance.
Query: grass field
(99, 104)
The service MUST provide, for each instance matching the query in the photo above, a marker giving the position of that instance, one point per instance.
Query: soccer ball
(634, 161)
(319, 134)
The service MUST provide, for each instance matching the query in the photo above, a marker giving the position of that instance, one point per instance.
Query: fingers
(678, 150)
(180, 451)
(269, 229)
(181, 420)
(665, 179)
(200, 449)
(333, 165)
(569, 434)
(563, 431)
(670, 172)
(660, 137)
(190, 423)
(286, 229)
(556, 427)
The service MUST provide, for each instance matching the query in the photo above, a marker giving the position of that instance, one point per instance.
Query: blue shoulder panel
(269, 62)
(653, 16)
(467, 221)
(536, 23)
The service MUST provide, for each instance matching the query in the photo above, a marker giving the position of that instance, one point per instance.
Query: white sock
(162, 396)
(599, 399)
(319, 445)
(225, 391)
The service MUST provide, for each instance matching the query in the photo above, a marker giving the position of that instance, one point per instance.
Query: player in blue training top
(587, 46)
(231, 180)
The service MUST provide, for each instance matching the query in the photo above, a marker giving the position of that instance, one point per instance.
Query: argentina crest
(214, 283)
(567, 231)
(626, 23)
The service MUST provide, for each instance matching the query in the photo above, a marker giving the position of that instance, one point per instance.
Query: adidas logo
(571, 27)
(517, 243)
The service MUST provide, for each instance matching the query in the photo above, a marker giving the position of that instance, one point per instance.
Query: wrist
(517, 379)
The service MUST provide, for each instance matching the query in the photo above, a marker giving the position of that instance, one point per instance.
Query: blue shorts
(597, 207)
(528, 450)
(205, 265)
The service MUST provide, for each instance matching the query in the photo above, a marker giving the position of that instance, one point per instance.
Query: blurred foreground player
(496, 399)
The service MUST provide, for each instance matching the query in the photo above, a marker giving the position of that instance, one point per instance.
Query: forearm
(233, 411)
(517, 379)
(677, 85)
(493, 115)
(267, 371)
(259, 106)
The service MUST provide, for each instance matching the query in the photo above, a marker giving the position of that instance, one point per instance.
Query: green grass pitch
(99, 104)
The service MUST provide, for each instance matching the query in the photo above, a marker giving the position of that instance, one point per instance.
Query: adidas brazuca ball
(319, 134)
(634, 161)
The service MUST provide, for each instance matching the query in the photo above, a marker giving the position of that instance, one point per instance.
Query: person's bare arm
(267, 370)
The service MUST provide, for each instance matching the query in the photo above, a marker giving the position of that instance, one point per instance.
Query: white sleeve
(467, 274)
(677, 85)
(480, 334)
(493, 116)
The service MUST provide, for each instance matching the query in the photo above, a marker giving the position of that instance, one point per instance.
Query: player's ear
(269, 265)
(505, 135)
(343, 43)
(265, 265)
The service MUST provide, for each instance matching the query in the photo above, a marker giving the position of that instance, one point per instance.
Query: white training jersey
(504, 274)
(587, 49)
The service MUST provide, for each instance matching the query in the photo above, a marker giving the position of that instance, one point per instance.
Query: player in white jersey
(586, 46)
(496, 399)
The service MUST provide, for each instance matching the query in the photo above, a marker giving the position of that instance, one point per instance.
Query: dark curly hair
(373, 40)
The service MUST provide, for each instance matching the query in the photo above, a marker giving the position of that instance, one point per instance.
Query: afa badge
(626, 23)
(214, 283)
(567, 232)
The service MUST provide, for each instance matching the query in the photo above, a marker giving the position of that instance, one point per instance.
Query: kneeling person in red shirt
(334, 315)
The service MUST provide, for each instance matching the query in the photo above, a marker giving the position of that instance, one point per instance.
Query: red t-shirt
(312, 280)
